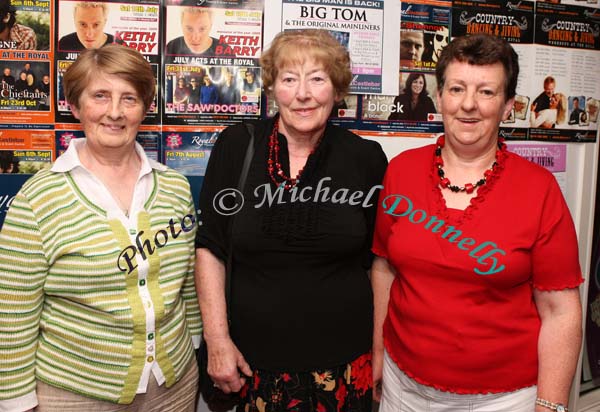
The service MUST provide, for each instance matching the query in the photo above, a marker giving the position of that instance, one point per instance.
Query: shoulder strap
(248, 158)
(240, 188)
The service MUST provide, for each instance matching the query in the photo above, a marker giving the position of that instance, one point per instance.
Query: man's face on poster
(7, 71)
(549, 88)
(411, 47)
(89, 23)
(440, 40)
(46, 79)
(196, 30)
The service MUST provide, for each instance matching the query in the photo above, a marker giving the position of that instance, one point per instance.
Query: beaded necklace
(468, 187)
(274, 166)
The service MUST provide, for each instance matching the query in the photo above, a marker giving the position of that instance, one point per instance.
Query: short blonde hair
(114, 59)
(91, 5)
(296, 46)
(197, 10)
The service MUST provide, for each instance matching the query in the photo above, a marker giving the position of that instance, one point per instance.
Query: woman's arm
(382, 276)
(558, 344)
(225, 361)
(23, 271)
(188, 290)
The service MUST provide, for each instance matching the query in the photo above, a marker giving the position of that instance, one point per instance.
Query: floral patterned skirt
(345, 388)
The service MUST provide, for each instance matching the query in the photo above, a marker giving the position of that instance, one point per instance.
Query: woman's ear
(75, 111)
(6, 18)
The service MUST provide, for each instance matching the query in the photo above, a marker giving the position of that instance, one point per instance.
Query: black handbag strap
(240, 188)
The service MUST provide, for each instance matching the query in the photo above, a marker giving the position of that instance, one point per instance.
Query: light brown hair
(296, 46)
(113, 59)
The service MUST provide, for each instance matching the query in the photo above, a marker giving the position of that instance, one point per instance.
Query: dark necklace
(468, 187)
(274, 166)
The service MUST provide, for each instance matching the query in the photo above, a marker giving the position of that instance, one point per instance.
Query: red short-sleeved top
(461, 315)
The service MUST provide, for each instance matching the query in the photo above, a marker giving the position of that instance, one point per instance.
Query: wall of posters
(205, 55)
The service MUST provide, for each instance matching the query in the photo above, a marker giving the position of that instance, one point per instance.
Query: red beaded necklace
(274, 166)
(468, 187)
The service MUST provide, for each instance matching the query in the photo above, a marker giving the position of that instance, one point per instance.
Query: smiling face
(305, 95)
(110, 111)
(89, 24)
(549, 88)
(417, 86)
(473, 104)
(196, 29)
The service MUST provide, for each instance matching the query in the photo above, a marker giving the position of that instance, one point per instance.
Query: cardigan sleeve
(23, 270)
(188, 292)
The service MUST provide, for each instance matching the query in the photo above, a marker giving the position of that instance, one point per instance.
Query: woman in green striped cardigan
(98, 310)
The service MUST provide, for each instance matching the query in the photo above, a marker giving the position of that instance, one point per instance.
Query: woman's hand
(377, 363)
(226, 365)
(382, 277)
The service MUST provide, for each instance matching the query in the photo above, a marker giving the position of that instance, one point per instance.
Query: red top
(461, 316)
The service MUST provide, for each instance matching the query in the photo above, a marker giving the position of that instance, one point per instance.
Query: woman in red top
(476, 280)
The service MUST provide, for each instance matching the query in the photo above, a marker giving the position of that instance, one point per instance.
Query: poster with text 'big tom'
(368, 29)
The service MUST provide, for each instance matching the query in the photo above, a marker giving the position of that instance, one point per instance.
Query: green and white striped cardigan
(70, 312)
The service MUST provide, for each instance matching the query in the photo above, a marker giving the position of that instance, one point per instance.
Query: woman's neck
(301, 144)
(109, 162)
(468, 160)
